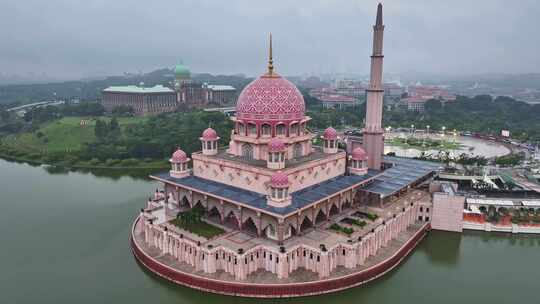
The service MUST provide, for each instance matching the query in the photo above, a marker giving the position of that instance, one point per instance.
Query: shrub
(112, 162)
(128, 162)
(94, 162)
(372, 216)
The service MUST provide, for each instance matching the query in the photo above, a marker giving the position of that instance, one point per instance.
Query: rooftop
(138, 90)
(403, 173)
(300, 199)
(317, 154)
(216, 87)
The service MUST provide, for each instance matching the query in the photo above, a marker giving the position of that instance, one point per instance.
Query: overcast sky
(75, 38)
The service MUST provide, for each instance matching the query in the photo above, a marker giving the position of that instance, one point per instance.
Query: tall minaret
(373, 133)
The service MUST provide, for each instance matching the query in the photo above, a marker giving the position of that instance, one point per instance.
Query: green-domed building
(181, 72)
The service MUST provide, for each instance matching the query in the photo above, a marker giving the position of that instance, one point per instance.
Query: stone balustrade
(280, 262)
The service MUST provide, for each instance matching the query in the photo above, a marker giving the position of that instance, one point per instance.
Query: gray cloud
(74, 38)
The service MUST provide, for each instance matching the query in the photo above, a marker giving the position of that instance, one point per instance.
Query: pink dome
(359, 154)
(179, 156)
(276, 145)
(330, 133)
(270, 98)
(279, 180)
(209, 134)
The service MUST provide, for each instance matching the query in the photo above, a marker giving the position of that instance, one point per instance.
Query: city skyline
(63, 39)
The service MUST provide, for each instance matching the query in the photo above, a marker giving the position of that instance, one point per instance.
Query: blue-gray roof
(300, 199)
(404, 172)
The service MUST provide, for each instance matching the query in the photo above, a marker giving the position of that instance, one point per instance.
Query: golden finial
(270, 60)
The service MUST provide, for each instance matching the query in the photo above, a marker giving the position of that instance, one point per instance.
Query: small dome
(179, 156)
(359, 154)
(209, 134)
(276, 145)
(279, 180)
(330, 133)
(181, 71)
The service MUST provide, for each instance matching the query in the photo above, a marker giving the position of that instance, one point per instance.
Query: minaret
(373, 132)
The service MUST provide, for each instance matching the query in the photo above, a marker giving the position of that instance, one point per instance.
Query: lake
(65, 240)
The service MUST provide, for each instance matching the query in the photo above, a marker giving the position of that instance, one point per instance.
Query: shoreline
(36, 162)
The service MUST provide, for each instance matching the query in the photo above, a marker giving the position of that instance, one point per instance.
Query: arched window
(297, 150)
(241, 129)
(271, 230)
(252, 128)
(293, 129)
(266, 130)
(247, 152)
(280, 129)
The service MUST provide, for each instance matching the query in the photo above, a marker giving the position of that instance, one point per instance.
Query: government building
(185, 93)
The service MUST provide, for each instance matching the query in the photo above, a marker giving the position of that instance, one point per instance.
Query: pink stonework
(209, 134)
(179, 156)
(275, 198)
(276, 145)
(330, 134)
(270, 98)
(279, 180)
(373, 132)
(359, 154)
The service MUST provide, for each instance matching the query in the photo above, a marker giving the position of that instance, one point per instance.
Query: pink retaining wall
(276, 290)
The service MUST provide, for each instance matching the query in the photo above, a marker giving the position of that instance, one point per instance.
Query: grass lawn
(62, 135)
(201, 228)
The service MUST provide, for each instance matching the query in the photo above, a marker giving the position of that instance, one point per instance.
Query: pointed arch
(305, 224)
(184, 202)
(232, 220)
(320, 217)
(334, 210)
(249, 226)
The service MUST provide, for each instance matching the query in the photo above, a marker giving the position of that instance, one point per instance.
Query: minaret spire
(379, 21)
(373, 132)
(270, 60)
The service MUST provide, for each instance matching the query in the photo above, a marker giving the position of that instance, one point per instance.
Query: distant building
(418, 95)
(392, 92)
(197, 94)
(338, 101)
(219, 94)
(143, 100)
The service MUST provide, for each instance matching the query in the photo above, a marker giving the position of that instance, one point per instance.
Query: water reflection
(443, 250)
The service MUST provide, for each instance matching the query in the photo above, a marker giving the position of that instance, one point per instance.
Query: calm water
(64, 239)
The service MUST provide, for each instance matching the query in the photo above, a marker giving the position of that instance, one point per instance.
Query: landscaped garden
(353, 221)
(192, 221)
(341, 229)
(366, 215)
(423, 143)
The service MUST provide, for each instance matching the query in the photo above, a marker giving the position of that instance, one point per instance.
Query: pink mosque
(295, 219)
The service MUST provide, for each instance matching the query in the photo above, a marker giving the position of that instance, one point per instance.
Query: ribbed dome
(179, 156)
(330, 133)
(181, 71)
(270, 98)
(276, 145)
(279, 180)
(209, 134)
(359, 154)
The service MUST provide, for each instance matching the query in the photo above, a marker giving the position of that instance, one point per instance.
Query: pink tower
(373, 132)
